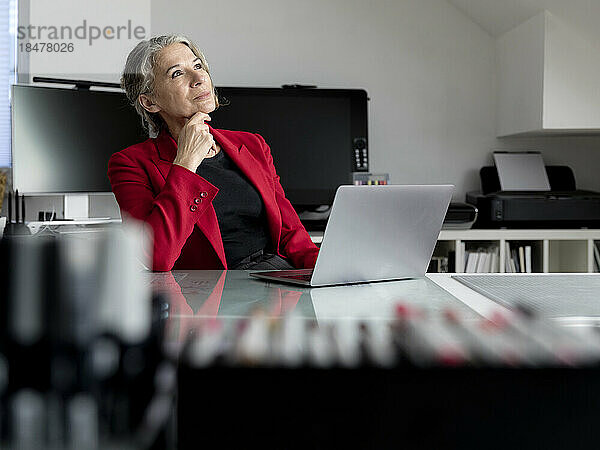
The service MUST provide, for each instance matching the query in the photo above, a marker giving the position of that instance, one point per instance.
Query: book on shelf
(514, 256)
(482, 260)
(518, 259)
(522, 259)
(495, 265)
(528, 258)
(471, 265)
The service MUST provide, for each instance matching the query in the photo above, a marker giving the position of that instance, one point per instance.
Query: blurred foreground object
(416, 381)
(414, 339)
(79, 349)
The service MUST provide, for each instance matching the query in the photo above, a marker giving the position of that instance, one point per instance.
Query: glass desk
(460, 407)
(196, 296)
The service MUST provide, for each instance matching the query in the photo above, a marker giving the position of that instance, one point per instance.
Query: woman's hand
(194, 142)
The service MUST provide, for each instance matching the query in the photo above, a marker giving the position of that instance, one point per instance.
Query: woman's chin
(206, 107)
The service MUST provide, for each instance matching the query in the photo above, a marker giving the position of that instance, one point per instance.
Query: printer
(563, 206)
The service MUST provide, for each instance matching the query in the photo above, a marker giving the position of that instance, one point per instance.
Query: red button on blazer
(149, 187)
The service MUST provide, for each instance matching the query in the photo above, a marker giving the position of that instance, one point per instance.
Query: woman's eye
(198, 66)
(176, 73)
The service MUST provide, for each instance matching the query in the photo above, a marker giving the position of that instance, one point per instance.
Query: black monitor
(63, 138)
(318, 137)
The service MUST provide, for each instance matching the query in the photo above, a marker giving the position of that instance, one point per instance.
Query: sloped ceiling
(498, 16)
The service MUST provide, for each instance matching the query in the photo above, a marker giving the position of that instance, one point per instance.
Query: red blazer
(177, 203)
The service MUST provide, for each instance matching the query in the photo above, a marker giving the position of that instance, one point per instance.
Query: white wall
(92, 56)
(520, 77)
(427, 68)
(429, 71)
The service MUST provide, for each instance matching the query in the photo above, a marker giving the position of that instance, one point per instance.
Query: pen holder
(16, 229)
(3, 179)
(371, 179)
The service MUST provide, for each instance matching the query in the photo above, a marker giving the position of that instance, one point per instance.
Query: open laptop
(375, 233)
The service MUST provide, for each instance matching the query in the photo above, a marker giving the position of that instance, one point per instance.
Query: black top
(239, 207)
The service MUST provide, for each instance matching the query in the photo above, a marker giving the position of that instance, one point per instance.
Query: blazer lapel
(167, 150)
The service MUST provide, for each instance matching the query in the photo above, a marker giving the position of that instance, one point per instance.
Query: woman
(212, 197)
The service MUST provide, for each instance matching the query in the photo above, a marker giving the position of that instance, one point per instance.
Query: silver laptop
(375, 233)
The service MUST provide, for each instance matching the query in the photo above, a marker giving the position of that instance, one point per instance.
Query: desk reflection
(198, 297)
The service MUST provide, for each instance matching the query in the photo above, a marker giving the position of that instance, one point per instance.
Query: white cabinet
(548, 79)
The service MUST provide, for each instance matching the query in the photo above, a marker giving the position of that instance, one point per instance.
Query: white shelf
(558, 250)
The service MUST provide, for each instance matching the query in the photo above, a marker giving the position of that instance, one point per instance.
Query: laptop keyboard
(299, 274)
(304, 277)
(296, 274)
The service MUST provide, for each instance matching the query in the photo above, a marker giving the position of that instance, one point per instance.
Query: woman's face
(182, 87)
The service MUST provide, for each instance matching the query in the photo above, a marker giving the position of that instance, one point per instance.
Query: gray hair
(138, 75)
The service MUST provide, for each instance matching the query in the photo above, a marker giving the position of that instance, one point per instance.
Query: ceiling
(498, 16)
